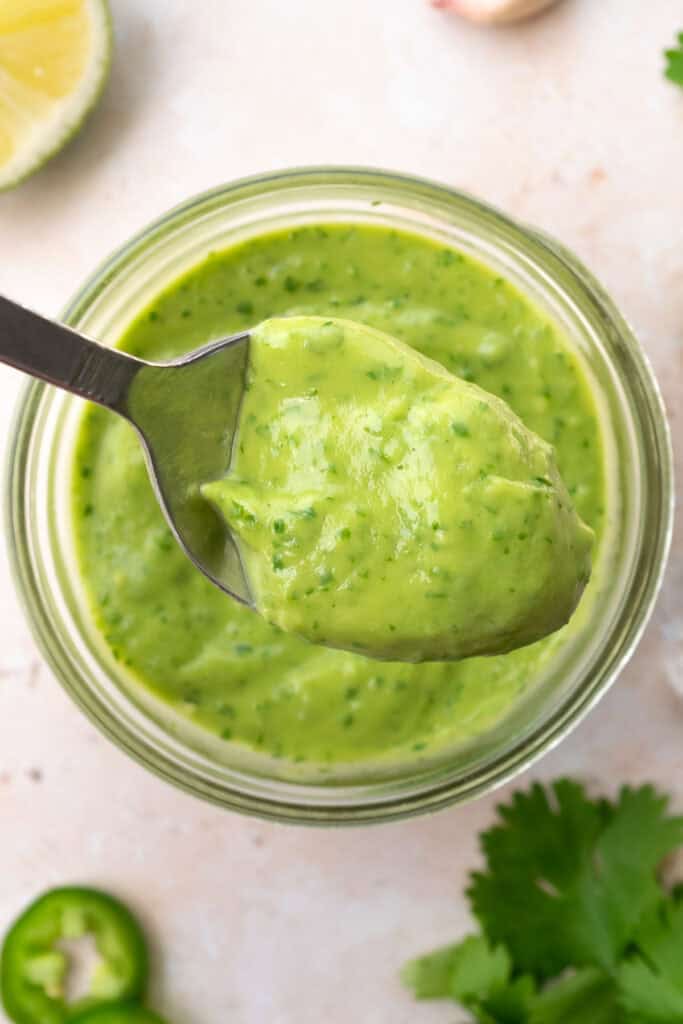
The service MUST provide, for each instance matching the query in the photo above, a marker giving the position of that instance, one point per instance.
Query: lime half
(54, 61)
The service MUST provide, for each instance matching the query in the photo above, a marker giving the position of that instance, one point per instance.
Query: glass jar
(639, 508)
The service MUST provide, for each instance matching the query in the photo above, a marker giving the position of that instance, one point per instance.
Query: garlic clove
(492, 12)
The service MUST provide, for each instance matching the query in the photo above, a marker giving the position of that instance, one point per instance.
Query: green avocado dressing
(384, 506)
(222, 665)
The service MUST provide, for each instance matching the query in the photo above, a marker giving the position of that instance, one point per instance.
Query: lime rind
(64, 122)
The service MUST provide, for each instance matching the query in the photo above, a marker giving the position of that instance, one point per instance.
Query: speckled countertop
(566, 123)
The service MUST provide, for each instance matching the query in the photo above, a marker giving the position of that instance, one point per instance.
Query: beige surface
(565, 122)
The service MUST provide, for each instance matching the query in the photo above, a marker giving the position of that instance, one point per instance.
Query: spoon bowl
(185, 414)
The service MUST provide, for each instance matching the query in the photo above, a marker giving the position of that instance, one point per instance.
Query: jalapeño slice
(35, 961)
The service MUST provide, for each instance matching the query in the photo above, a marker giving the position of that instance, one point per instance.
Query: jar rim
(289, 805)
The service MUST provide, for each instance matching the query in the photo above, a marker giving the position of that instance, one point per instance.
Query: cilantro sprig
(576, 925)
(674, 62)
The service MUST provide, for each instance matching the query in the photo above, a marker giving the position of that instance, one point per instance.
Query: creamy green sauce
(385, 506)
(223, 665)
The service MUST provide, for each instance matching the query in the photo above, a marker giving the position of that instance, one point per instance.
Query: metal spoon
(185, 414)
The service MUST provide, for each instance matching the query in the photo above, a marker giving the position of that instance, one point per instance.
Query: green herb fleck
(385, 373)
(461, 429)
(447, 258)
(304, 513)
(241, 513)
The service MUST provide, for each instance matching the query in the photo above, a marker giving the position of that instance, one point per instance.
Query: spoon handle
(61, 356)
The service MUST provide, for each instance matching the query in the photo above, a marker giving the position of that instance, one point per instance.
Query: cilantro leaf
(568, 879)
(476, 975)
(674, 62)
(587, 995)
(429, 976)
(467, 969)
(512, 1003)
(479, 970)
(651, 984)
